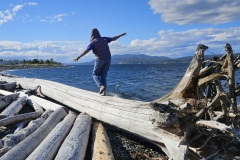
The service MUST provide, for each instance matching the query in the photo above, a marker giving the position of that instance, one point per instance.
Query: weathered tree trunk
(18, 118)
(50, 145)
(75, 144)
(6, 100)
(186, 89)
(15, 107)
(8, 86)
(101, 147)
(22, 150)
(34, 99)
(231, 75)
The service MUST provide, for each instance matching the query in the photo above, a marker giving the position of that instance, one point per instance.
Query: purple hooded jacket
(99, 45)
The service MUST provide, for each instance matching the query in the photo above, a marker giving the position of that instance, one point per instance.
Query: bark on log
(25, 147)
(75, 144)
(50, 145)
(8, 99)
(18, 118)
(8, 86)
(11, 140)
(15, 107)
(101, 147)
(21, 125)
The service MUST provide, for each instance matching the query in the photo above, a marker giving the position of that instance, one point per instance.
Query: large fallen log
(8, 99)
(8, 86)
(34, 99)
(15, 107)
(169, 122)
(23, 149)
(50, 145)
(18, 118)
(75, 144)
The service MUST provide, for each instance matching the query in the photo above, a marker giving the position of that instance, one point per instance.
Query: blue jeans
(100, 71)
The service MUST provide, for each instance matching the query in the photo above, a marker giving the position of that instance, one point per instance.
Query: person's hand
(76, 59)
(123, 34)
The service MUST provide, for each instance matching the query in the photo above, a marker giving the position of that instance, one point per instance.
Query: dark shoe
(103, 93)
(102, 89)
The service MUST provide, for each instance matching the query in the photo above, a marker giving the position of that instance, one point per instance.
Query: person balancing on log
(100, 48)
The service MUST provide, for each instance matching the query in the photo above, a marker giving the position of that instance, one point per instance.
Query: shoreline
(27, 66)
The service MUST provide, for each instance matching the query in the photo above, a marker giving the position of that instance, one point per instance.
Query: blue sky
(60, 29)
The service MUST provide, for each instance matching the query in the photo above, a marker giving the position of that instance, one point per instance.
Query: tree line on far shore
(34, 61)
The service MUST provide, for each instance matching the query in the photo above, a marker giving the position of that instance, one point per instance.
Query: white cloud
(5, 16)
(196, 12)
(17, 8)
(9, 14)
(169, 43)
(32, 4)
(56, 18)
(63, 51)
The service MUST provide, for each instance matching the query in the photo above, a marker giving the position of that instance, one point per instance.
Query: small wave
(114, 94)
(11, 70)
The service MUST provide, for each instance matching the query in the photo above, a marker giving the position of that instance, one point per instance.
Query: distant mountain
(138, 59)
(145, 59)
(135, 59)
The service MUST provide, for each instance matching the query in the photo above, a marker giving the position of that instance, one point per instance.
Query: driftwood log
(15, 107)
(34, 101)
(18, 118)
(8, 86)
(50, 145)
(8, 99)
(101, 147)
(75, 145)
(181, 123)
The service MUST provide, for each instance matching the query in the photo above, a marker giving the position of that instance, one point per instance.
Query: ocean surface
(145, 82)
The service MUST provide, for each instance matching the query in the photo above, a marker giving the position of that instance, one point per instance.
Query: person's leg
(104, 72)
(97, 72)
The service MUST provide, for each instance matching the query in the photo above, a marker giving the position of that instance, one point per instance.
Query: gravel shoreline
(130, 147)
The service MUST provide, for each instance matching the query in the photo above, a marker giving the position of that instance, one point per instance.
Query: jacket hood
(95, 34)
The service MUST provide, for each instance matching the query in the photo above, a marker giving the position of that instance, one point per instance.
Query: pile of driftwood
(46, 133)
(198, 119)
(204, 107)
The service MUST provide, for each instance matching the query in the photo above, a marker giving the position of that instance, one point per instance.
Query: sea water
(145, 82)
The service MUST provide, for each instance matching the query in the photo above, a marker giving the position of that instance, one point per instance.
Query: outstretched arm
(116, 37)
(85, 52)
